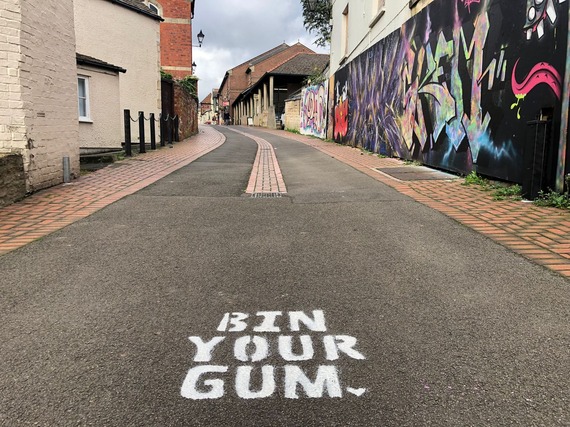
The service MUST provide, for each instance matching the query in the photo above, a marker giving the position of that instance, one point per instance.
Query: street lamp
(200, 39)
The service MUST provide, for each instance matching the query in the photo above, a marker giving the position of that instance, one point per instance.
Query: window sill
(379, 15)
(85, 120)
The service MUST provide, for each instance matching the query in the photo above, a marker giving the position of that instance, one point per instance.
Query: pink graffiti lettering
(468, 3)
(541, 73)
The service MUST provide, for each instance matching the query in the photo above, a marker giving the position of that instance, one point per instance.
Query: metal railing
(169, 127)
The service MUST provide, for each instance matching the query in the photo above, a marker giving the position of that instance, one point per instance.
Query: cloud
(237, 30)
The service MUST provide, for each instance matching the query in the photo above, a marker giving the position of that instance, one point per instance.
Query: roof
(302, 64)
(138, 6)
(94, 62)
(268, 54)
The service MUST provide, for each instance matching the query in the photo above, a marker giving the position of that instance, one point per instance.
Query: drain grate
(265, 195)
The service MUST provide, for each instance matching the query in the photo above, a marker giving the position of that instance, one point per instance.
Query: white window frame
(87, 117)
(377, 11)
(154, 6)
(344, 35)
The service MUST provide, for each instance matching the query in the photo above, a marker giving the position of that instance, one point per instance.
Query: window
(377, 11)
(153, 7)
(83, 98)
(344, 33)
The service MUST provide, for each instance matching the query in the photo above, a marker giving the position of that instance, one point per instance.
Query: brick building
(38, 92)
(175, 35)
(248, 73)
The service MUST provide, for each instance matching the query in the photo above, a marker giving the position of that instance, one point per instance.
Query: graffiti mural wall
(459, 86)
(314, 100)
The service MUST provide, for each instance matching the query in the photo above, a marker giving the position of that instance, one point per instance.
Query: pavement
(538, 233)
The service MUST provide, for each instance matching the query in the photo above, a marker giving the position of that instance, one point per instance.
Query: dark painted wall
(457, 86)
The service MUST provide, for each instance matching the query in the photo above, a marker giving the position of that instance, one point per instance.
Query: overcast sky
(237, 30)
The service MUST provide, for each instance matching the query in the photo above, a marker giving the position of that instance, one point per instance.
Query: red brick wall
(186, 106)
(176, 38)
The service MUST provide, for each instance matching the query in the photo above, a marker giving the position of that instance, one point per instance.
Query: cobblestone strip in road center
(54, 208)
(266, 177)
(538, 233)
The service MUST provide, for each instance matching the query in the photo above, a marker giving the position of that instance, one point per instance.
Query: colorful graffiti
(536, 13)
(340, 128)
(440, 89)
(314, 110)
(468, 3)
(542, 73)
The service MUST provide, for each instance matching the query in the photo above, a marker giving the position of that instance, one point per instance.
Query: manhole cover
(416, 173)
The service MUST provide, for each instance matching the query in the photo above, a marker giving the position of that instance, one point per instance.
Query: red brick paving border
(538, 233)
(266, 177)
(54, 208)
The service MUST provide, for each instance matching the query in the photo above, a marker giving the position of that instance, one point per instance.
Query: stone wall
(186, 106)
(293, 114)
(38, 86)
(12, 178)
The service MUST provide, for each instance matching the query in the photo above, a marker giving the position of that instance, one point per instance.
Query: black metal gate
(539, 157)
(167, 96)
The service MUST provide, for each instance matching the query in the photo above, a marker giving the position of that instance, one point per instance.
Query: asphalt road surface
(343, 303)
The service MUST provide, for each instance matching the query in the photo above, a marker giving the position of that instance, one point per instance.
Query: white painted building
(358, 24)
(125, 34)
(38, 88)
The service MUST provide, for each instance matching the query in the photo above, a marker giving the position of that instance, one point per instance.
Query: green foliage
(166, 76)
(499, 191)
(190, 84)
(512, 192)
(317, 16)
(317, 77)
(553, 199)
(293, 130)
(474, 179)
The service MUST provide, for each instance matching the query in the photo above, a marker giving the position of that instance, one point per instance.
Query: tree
(317, 16)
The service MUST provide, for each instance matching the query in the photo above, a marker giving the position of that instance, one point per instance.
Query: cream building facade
(359, 24)
(135, 40)
(99, 105)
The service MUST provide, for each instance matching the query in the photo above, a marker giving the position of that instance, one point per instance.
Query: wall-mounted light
(193, 67)
(200, 39)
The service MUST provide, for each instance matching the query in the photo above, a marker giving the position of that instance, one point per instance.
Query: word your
(207, 380)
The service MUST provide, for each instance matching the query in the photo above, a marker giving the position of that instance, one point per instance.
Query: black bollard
(152, 133)
(127, 120)
(142, 148)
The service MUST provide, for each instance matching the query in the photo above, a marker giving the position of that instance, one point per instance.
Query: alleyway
(193, 292)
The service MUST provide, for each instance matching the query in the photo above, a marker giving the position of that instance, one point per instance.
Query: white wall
(365, 26)
(104, 130)
(38, 88)
(125, 38)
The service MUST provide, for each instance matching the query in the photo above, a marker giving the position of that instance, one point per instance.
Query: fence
(169, 127)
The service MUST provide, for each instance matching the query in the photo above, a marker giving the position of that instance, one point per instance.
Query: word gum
(207, 381)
